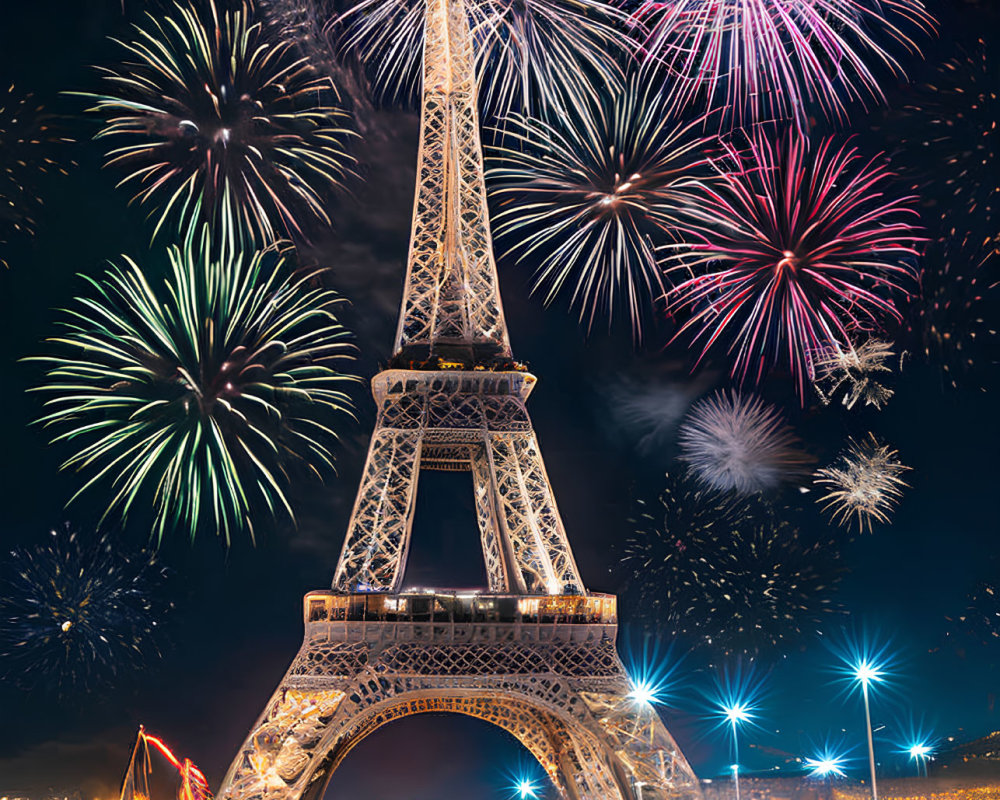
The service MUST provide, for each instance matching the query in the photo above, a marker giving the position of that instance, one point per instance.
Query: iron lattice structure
(535, 654)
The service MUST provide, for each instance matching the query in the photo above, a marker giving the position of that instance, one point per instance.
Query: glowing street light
(644, 693)
(736, 714)
(866, 671)
(826, 766)
(740, 712)
(526, 789)
(735, 703)
(921, 753)
(651, 676)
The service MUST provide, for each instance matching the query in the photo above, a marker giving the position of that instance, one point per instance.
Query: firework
(192, 400)
(215, 122)
(981, 617)
(76, 611)
(863, 485)
(859, 370)
(949, 321)
(589, 195)
(140, 773)
(762, 59)
(725, 573)
(955, 128)
(795, 251)
(27, 141)
(542, 54)
(738, 442)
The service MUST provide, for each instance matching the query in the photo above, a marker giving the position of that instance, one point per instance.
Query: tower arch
(545, 733)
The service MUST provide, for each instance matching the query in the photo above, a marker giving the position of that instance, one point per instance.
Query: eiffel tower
(535, 653)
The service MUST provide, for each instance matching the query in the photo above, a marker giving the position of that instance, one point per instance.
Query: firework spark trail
(726, 573)
(196, 397)
(794, 251)
(860, 369)
(217, 123)
(980, 619)
(541, 55)
(955, 130)
(589, 196)
(863, 486)
(949, 319)
(76, 612)
(136, 783)
(28, 144)
(736, 442)
(778, 59)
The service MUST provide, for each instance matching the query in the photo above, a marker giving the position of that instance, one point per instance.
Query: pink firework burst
(791, 251)
(780, 58)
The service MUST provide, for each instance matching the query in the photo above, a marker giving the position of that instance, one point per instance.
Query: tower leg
(531, 521)
(501, 572)
(378, 535)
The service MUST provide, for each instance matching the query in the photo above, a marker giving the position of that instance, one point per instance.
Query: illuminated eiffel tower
(535, 654)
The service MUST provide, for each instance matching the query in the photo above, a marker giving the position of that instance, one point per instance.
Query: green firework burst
(197, 396)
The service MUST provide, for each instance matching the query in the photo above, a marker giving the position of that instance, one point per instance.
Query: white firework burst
(859, 370)
(863, 485)
(738, 442)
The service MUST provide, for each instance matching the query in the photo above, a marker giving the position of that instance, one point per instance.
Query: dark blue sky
(237, 622)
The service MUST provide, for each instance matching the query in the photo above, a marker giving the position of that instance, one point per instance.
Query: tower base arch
(547, 672)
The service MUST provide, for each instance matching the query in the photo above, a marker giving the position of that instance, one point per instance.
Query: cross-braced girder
(451, 296)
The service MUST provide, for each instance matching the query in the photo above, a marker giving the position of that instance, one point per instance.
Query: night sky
(236, 621)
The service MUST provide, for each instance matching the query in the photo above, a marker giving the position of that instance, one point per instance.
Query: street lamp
(735, 702)
(921, 752)
(644, 692)
(736, 714)
(866, 672)
(526, 789)
(825, 766)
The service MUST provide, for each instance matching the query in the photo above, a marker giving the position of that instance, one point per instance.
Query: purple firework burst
(792, 251)
(779, 58)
